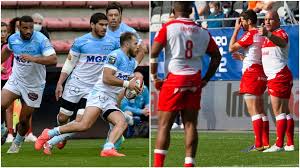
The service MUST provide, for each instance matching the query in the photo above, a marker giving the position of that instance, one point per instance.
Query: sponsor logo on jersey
(123, 77)
(96, 58)
(20, 60)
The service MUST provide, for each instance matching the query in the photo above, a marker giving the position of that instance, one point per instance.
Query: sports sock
(56, 139)
(10, 130)
(257, 129)
(53, 132)
(108, 145)
(280, 129)
(19, 139)
(290, 130)
(265, 133)
(159, 157)
(189, 162)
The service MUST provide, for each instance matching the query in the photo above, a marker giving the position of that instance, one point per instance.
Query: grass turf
(223, 149)
(83, 153)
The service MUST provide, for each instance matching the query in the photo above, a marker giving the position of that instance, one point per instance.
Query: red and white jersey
(252, 42)
(185, 43)
(275, 58)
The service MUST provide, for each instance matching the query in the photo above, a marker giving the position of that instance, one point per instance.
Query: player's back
(185, 43)
(92, 53)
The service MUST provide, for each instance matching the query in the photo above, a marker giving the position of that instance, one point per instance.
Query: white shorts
(103, 101)
(73, 91)
(31, 95)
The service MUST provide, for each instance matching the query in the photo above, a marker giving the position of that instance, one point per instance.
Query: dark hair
(249, 14)
(26, 19)
(216, 3)
(126, 36)
(114, 5)
(3, 24)
(96, 17)
(183, 5)
(12, 25)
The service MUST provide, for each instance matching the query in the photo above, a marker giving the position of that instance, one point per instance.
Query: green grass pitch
(83, 153)
(223, 149)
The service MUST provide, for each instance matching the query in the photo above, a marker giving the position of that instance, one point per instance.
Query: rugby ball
(131, 94)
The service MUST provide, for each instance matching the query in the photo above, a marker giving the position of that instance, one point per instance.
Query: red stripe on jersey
(161, 36)
(247, 38)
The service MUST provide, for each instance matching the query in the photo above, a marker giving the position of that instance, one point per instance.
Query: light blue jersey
(30, 74)
(92, 53)
(124, 67)
(137, 104)
(122, 28)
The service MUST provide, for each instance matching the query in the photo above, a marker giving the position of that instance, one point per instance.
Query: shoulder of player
(125, 27)
(280, 32)
(39, 36)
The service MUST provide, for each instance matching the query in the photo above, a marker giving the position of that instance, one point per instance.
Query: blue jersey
(137, 104)
(124, 67)
(30, 74)
(92, 54)
(122, 28)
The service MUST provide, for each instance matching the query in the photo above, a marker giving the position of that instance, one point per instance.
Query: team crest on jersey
(33, 96)
(112, 59)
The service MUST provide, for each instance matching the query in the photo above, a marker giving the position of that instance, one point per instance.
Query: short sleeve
(211, 45)
(113, 61)
(75, 48)
(282, 34)
(9, 45)
(161, 36)
(46, 47)
(246, 40)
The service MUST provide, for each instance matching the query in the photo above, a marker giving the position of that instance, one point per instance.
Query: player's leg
(189, 119)
(289, 132)
(7, 98)
(253, 103)
(265, 130)
(23, 127)
(9, 122)
(89, 117)
(116, 118)
(165, 122)
(279, 106)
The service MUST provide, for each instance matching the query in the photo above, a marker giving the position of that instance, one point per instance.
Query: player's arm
(5, 53)
(234, 45)
(66, 70)
(279, 41)
(126, 107)
(155, 50)
(215, 55)
(109, 78)
(46, 60)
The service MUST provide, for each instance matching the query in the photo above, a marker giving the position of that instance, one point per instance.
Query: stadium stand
(66, 20)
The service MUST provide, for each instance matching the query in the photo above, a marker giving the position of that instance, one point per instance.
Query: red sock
(265, 133)
(290, 130)
(159, 157)
(10, 130)
(188, 165)
(189, 162)
(257, 129)
(280, 129)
